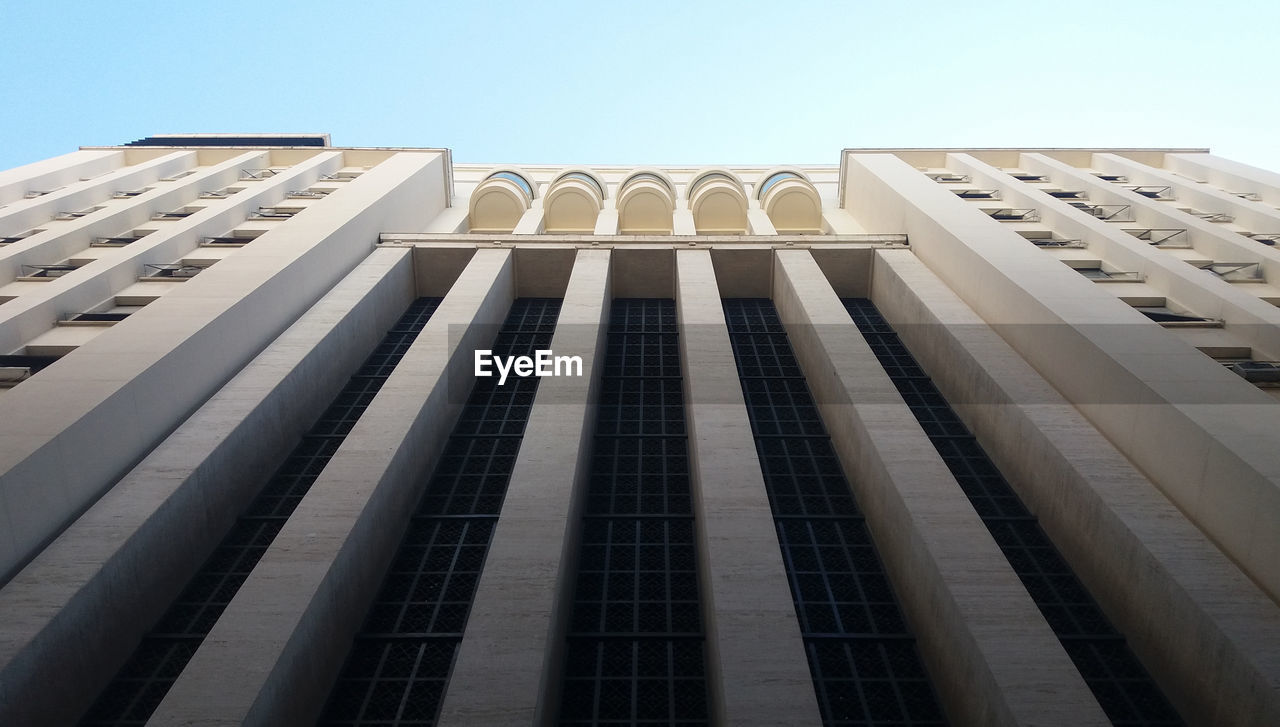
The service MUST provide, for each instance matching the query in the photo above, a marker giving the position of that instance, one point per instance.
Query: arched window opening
(519, 181)
(772, 180)
(586, 178)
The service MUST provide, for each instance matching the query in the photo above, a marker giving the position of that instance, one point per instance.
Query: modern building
(929, 436)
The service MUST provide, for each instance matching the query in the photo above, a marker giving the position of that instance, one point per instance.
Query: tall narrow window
(1123, 688)
(635, 652)
(146, 678)
(397, 670)
(862, 657)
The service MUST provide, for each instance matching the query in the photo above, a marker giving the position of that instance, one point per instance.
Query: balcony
(1152, 191)
(1236, 272)
(169, 271)
(275, 213)
(1098, 274)
(1011, 214)
(1162, 237)
(119, 241)
(1047, 239)
(1106, 212)
(1219, 217)
(249, 175)
(42, 273)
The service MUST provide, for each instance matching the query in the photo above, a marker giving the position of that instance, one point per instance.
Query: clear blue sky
(647, 82)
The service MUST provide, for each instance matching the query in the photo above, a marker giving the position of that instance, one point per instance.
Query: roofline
(1028, 149)
(844, 153)
(448, 154)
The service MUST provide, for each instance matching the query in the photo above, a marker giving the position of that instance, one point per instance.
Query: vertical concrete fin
(993, 658)
(758, 674)
(75, 613)
(507, 669)
(281, 642)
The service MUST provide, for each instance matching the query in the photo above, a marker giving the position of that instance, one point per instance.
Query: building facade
(926, 437)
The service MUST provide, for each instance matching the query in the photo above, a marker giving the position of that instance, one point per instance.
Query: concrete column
(508, 666)
(75, 613)
(281, 642)
(62, 442)
(1202, 434)
(530, 222)
(840, 222)
(1208, 634)
(607, 222)
(757, 670)
(682, 221)
(758, 222)
(450, 220)
(992, 656)
(47, 174)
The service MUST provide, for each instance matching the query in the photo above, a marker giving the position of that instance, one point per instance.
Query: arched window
(718, 203)
(773, 179)
(573, 203)
(498, 203)
(791, 202)
(709, 177)
(584, 177)
(646, 204)
(520, 181)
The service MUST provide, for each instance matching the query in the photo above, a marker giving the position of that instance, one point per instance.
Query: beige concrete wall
(1228, 174)
(281, 642)
(508, 666)
(1199, 432)
(992, 656)
(68, 433)
(757, 672)
(1250, 320)
(1206, 632)
(1252, 215)
(41, 305)
(75, 613)
(25, 214)
(47, 174)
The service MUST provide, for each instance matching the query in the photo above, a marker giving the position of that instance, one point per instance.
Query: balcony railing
(1220, 217)
(170, 270)
(1011, 214)
(1236, 272)
(1107, 212)
(1162, 237)
(47, 271)
(1153, 191)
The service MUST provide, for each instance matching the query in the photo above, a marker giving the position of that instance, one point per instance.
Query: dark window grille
(635, 647)
(138, 689)
(399, 666)
(863, 660)
(1126, 692)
